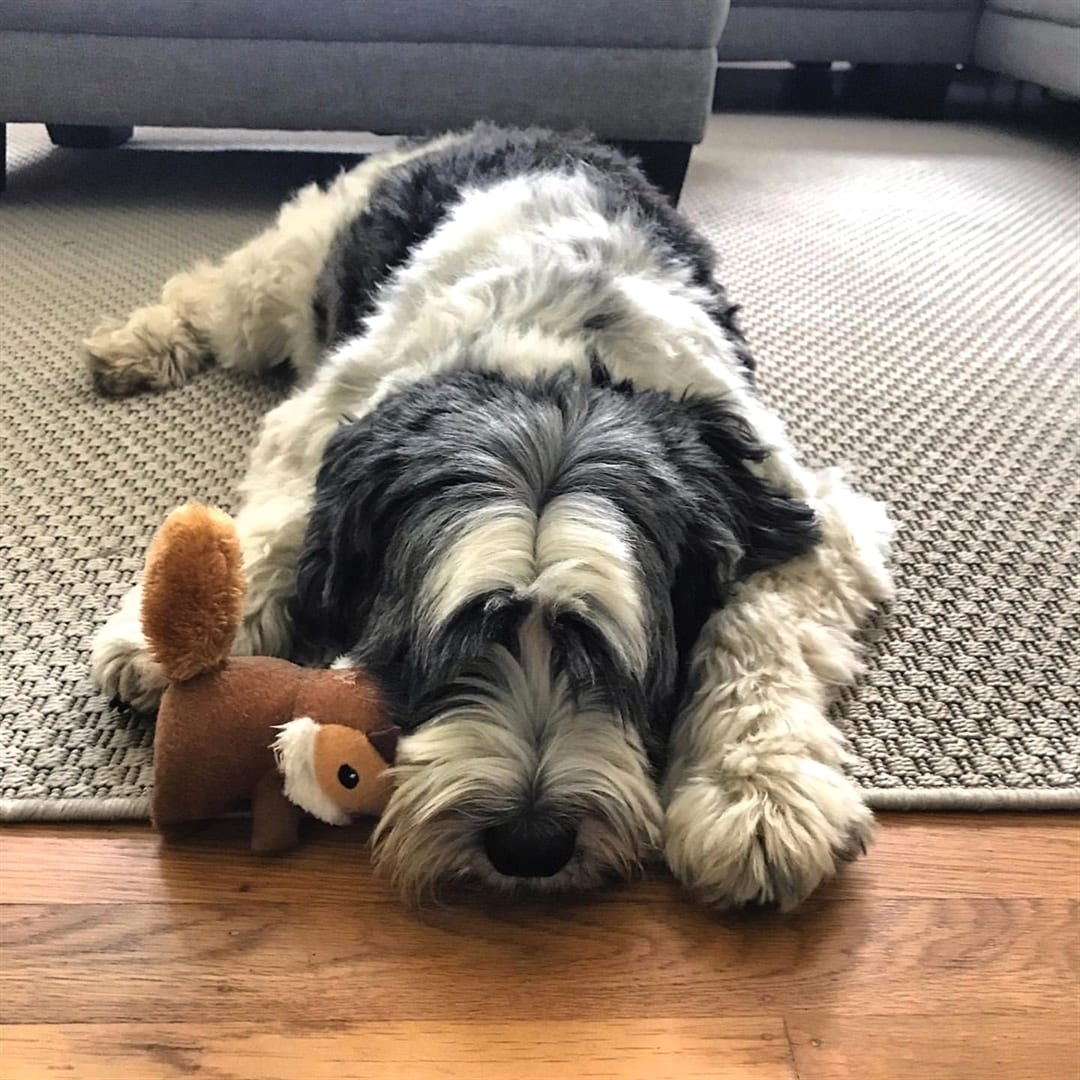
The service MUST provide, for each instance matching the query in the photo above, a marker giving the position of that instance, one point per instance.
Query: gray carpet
(910, 290)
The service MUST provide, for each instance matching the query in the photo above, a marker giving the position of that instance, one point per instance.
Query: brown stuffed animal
(231, 729)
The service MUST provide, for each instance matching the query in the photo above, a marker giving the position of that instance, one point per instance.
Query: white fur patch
(495, 551)
(576, 557)
(294, 752)
(586, 563)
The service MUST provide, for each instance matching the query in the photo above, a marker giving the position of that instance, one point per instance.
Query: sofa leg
(88, 137)
(664, 163)
(903, 91)
(3, 157)
(808, 87)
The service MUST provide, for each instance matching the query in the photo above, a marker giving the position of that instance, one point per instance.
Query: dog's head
(525, 566)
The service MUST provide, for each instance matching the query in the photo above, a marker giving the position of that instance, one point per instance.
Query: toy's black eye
(348, 777)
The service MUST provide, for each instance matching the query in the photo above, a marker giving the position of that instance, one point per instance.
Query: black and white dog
(526, 480)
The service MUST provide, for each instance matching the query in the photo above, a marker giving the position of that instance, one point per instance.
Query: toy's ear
(385, 742)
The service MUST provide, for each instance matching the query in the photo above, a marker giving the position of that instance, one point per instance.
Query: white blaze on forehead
(294, 752)
(578, 557)
(495, 550)
(586, 564)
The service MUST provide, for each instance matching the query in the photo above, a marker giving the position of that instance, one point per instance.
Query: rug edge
(896, 799)
(115, 809)
(973, 798)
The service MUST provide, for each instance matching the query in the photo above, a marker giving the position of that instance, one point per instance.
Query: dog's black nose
(524, 848)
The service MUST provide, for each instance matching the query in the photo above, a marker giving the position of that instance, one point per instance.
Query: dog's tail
(193, 591)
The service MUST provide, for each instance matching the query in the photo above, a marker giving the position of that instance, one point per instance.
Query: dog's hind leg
(758, 807)
(252, 310)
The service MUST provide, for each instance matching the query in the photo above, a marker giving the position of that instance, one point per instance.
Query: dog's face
(525, 567)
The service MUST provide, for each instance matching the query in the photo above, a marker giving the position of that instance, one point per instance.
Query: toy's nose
(525, 848)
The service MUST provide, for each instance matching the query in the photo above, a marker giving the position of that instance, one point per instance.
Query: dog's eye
(348, 777)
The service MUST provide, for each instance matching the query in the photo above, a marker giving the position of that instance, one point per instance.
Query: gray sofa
(1034, 40)
(911, 47)
(636, 71)
(898, 32)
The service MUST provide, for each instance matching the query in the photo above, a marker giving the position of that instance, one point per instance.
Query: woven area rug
(910, 290)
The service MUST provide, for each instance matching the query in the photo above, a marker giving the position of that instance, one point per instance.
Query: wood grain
(1034, 1043)
(915, 856)
(524, 1050)
(953, 951)
(98, 962)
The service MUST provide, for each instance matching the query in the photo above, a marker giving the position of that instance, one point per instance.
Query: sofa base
(902, 91)
(393, 88)
(869, 36)
(664, 163)
(88, 136)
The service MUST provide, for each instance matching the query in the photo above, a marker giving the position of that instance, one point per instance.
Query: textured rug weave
(911, 292)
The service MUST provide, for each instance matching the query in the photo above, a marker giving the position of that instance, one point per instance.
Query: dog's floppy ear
(741, 523)
(340, 555)
(752, 524)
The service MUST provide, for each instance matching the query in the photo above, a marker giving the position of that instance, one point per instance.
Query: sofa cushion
(856, 7)
(677, 24)
(1064, 12)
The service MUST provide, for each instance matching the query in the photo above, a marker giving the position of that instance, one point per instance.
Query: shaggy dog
(525, 479)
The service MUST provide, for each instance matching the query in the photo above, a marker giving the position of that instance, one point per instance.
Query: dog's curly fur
(552, 515)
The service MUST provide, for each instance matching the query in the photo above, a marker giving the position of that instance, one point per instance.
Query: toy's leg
(252, 310)
(275, 822)
(758, 809)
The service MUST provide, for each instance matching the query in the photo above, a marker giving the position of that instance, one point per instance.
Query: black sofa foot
(809, 88)
(87, 137)
(3, 157)
(903, 91)
(664, 163)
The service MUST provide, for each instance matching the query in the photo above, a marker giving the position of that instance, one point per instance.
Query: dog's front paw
(122, 667)
(767, 828)
(153, 350)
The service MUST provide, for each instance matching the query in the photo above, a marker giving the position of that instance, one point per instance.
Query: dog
(525, 479)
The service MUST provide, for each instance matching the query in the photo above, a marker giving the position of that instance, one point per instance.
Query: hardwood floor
(951, 952)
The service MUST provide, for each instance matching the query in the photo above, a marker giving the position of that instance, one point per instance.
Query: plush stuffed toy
(232, 729)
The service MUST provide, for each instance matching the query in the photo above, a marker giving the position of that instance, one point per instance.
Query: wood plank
(79, 863)
(563, 958)
(950, 952)
(916, 856)
(742, 1049)
(1035, 1043)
